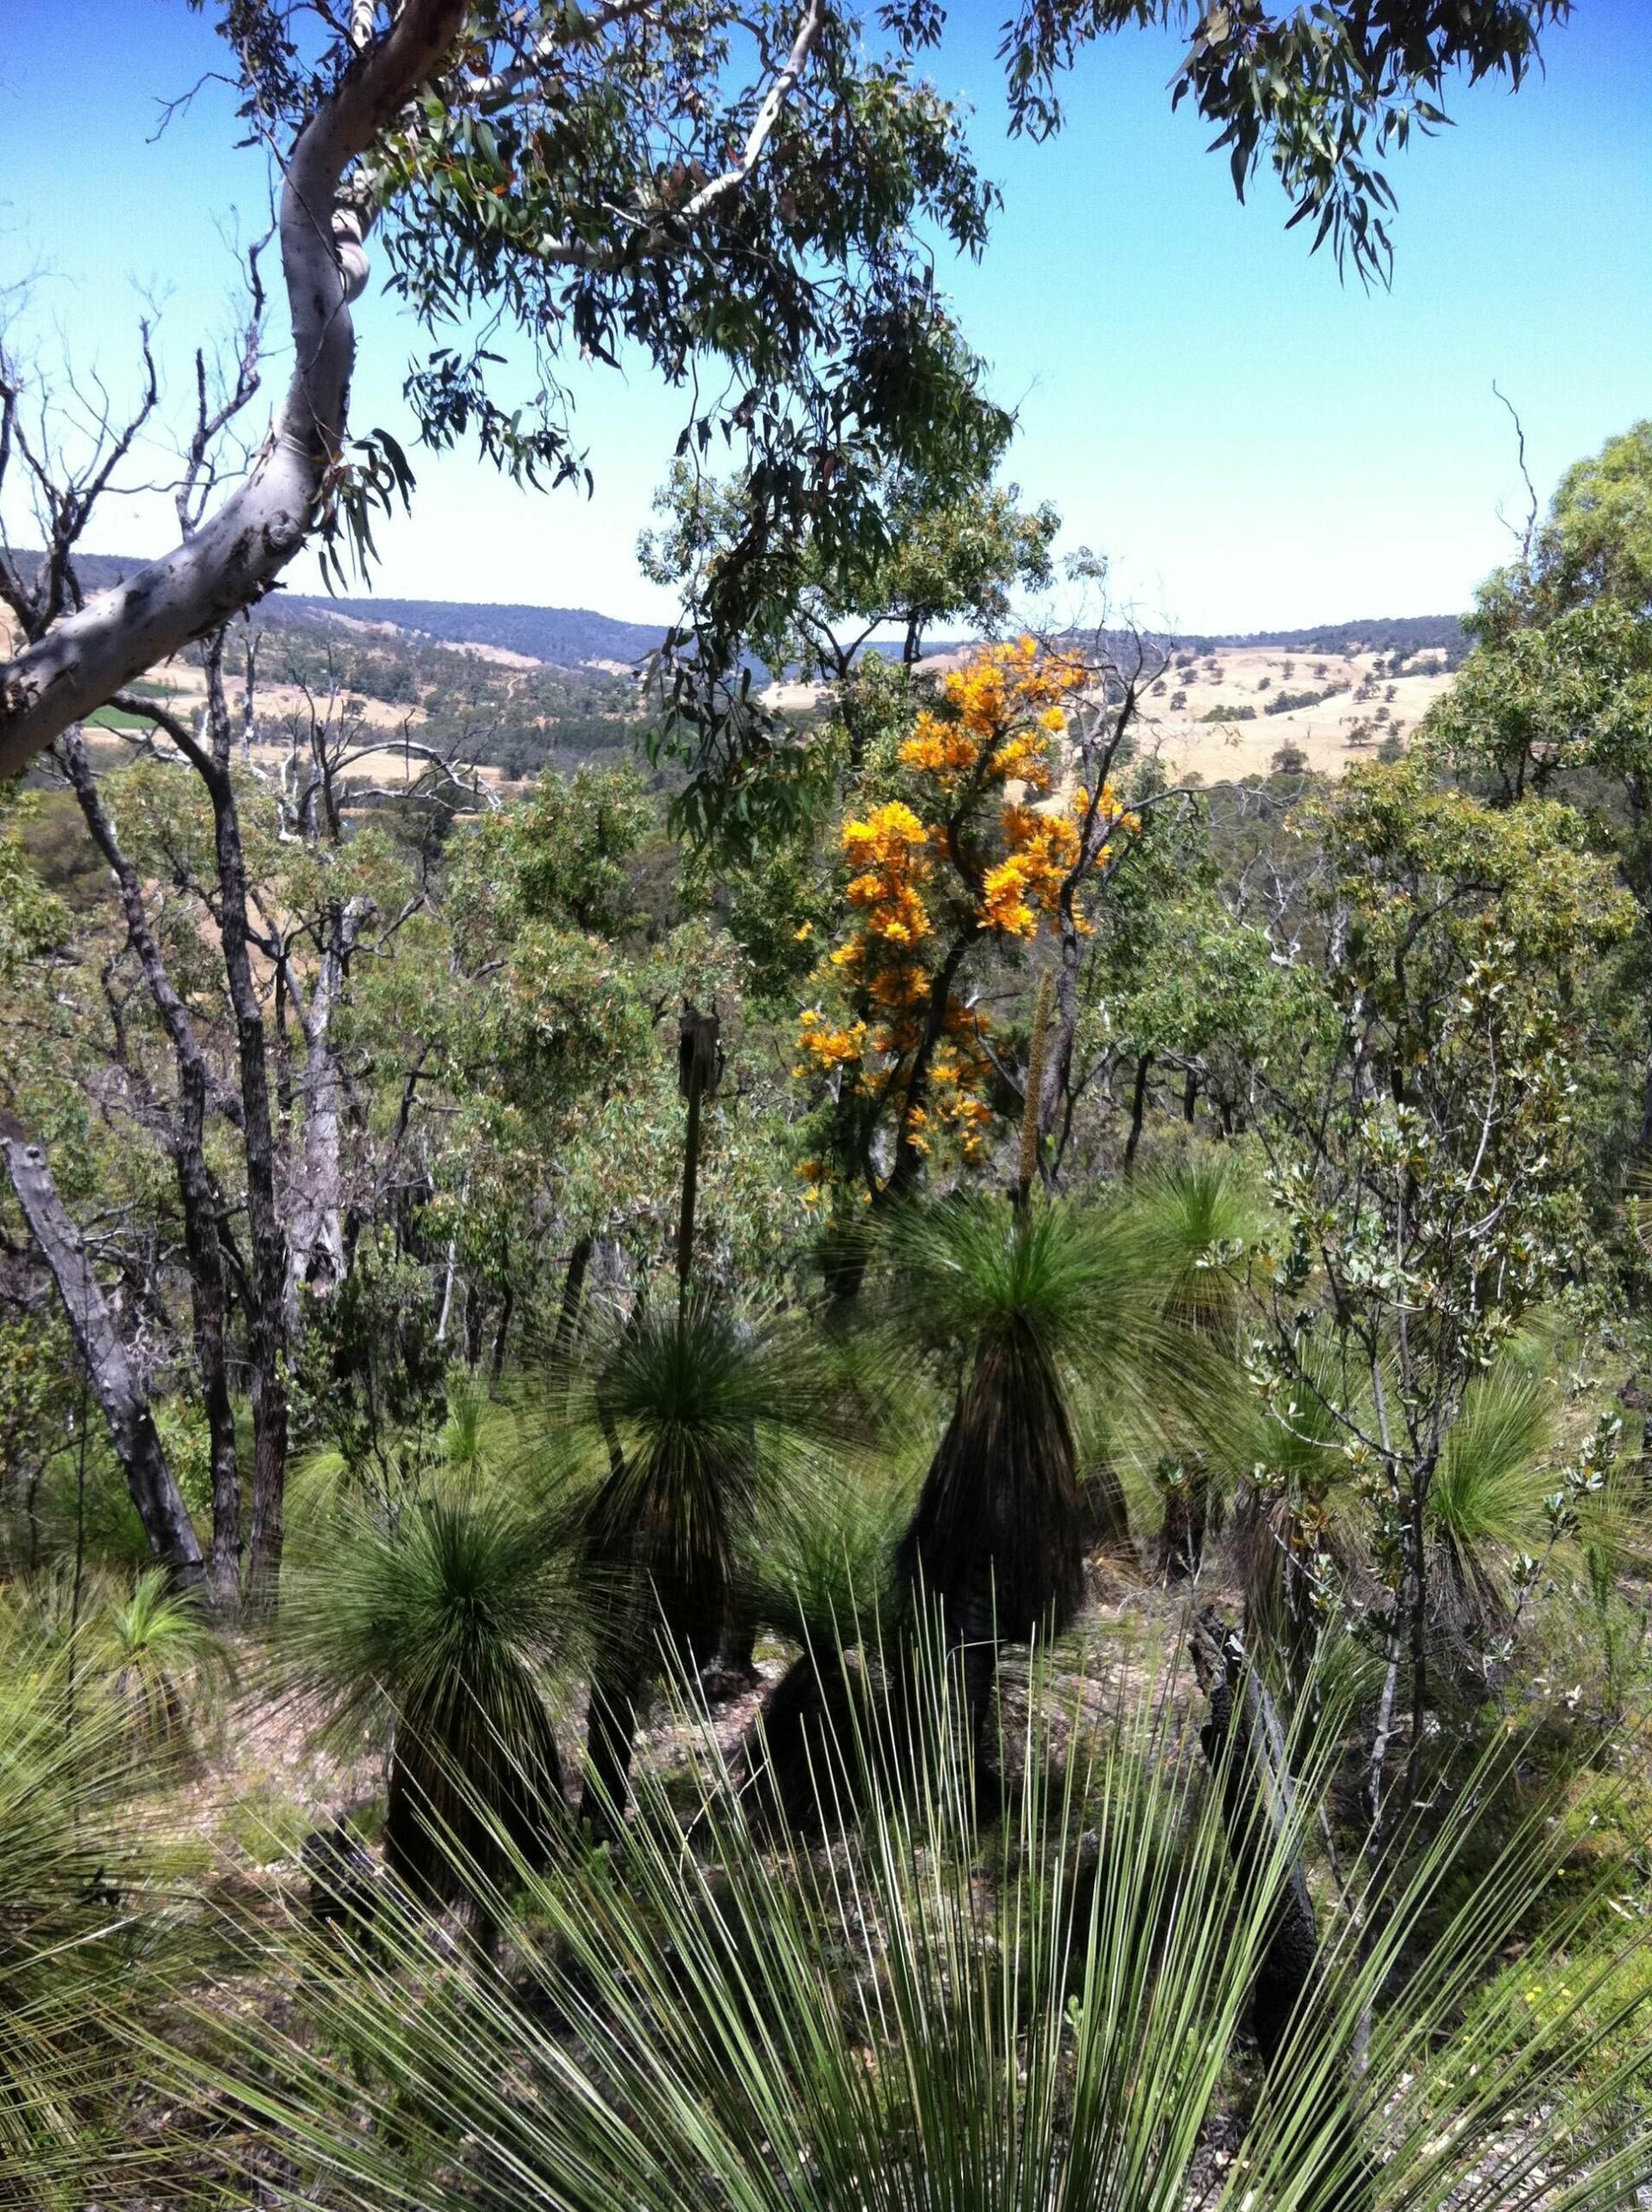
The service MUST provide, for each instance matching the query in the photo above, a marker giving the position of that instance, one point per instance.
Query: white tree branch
(808, 29)
(235, 556)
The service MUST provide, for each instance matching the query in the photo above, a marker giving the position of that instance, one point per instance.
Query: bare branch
(231, 559)
(1526, 534)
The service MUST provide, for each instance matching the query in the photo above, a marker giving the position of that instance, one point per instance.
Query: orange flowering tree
(973, 838)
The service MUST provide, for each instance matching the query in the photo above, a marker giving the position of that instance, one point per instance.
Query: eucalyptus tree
(1556, 697)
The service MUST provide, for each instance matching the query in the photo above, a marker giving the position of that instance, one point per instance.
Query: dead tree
(266, 1325)
(119, 1390)
(198, 1198)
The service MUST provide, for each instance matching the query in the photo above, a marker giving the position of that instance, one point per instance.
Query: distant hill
(576, 637)
(1405, 633)
(567, 637)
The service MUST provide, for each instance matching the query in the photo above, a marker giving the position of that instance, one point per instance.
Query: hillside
(519, 686)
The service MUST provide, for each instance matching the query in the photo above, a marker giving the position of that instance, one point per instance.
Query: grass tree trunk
(124, 1402)
(1244, 1745)
(1138, 1108)
(610, 1734)
(699, 1063)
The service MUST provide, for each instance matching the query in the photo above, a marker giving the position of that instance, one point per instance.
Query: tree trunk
(1138, 1108)
(1244, 1745)
(610, 1733)
(1419, 1537)
(315, 1238)
(266, 1330)
(562, 1347)
(125, 1403)
(198, 1200)
(1187, 1506)
(502, 1336)
(1057, 1073)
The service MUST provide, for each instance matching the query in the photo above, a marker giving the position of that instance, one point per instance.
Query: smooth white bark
(236, 553)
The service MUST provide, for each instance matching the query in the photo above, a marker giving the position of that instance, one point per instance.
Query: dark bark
(1138, 1108)
(997, 1537)
(198, 1200)
(1244, 1747)
(698, 1064)
(610, 1734)
(502, 1335)
(266, 1325)
(125, 1403)
(562, 1345)
(1187, 1509)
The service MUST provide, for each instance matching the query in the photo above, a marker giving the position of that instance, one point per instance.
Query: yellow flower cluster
(914, 884)
(889, 849)
(1004, 707)
(827, 1047)
(1040, 851)
(1026, 883)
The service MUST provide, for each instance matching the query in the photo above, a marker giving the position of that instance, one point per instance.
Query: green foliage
(162, 1656)
(452, 1616)
(960, 2013)
(1195, 1215)
(1327, 93)
(32, 920)
(78, 1968)
(1593, 548)
(703, 1416)
(371, 1370)
(559, 858)
(1063, 1327)
(951, 547)
(1291, 703)
(1535, 702)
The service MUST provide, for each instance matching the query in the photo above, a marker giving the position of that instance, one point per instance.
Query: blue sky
(1251, 442)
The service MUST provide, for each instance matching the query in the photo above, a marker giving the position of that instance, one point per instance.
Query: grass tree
(958, 2017)
(1045, 1315)
(161, 1651)
(1194, 1215)
(78, 1959)
(689, 1414)
(455, 1617)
